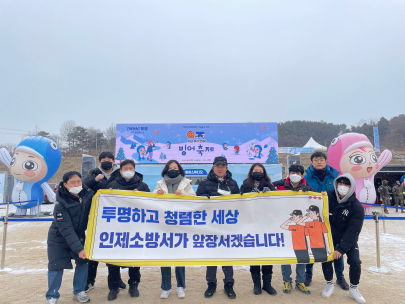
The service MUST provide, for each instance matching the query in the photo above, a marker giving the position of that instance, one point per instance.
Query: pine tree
(273, 156)
(161, 157)
(164, 156)
(133, 146)
(121, 155)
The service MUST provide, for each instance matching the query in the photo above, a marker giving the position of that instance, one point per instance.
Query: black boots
(308, 280)
(212, 287)
(122, 285)
(257, 283)
(133, 289)
(267, 285)
(113, 294)
(228, 289)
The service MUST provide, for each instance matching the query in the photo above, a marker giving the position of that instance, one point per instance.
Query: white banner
(133, 228)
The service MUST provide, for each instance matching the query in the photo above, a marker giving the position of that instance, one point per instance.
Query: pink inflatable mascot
(353, 153)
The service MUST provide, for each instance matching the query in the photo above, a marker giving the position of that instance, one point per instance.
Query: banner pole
(37, 208)
(382, 214)
(3, 249)
(377, 237)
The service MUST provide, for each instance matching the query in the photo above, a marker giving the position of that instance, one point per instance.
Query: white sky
(103, 62)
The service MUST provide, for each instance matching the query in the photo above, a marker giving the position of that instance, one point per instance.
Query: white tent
(313, 144)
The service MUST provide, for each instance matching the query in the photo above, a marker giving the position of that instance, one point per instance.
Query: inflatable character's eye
(30, 165)
(54, 146)
(374, 158)
(357, 159)
(334, 141)
(12, 163)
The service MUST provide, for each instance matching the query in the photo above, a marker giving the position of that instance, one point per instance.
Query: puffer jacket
(136, 182)
(184, 187)
(246, 188)
(321, 186)
(303, 185)
(210, 185)
(67, 231)
(346, 217)
(90, 180)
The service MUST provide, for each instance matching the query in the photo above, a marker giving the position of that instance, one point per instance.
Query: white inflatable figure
(35, 161)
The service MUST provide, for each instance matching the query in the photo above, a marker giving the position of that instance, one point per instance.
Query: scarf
(172, 183)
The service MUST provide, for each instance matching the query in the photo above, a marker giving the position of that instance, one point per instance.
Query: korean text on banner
(145, 229)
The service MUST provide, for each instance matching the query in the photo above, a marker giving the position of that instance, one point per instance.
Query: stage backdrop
(197, 143)
(144, 229)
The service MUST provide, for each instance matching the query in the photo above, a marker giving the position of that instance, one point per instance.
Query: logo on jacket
(345, 212)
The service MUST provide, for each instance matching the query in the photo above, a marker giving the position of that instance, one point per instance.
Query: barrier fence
(375, 217)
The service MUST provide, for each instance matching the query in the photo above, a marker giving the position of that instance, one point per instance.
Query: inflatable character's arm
(5, 157)
(49, 192)
(384, 159)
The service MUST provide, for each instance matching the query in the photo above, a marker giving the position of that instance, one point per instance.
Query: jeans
(339, 268)
(353, 259)
(55, 281)
(211, 274)
(114, 276)
(299, 269)
(167, 277)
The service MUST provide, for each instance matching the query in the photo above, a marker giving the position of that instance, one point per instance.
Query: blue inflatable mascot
(35, 161)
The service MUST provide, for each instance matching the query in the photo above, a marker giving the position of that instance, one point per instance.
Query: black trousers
(319, 254)
(91, 275)
(302, 256)
(114, 275)
(266, 269)
(353, 259)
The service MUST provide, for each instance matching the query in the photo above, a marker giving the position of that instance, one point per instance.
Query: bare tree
(110, 134)
(10, 147)
(66, 131)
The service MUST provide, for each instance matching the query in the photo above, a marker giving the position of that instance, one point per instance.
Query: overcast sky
(102, 62)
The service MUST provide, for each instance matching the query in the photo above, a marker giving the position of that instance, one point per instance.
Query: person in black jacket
(346, 217)
(128, 180)
(66, 237)
(97, 179)
(258, 181)
(219, 182)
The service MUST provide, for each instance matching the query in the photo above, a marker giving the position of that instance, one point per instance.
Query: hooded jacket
(320, 186)
(184, 186)
(246, 188)
(67, 231)
(346, 216)
(90, 180)
(136, 182)
(303, 185)
(210, 185)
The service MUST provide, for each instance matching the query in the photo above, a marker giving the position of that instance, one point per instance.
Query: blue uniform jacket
(320, 186)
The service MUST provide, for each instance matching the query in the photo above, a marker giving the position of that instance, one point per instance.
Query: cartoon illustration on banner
(353, 153)
(158, 143)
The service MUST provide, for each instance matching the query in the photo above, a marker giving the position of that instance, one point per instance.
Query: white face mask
(75, 190)
(343, 190)
(128, 174)
(295, 178)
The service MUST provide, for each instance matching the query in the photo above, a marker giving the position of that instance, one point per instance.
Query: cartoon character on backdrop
(225, 146)
(236, 148)
(169, 145)
(258, 151)
(353, 153)
(35, 161)
(141, 152)
(151, 145)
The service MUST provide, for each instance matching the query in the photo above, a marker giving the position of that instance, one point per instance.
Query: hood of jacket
(64, 196)
(351, 190)
(138, 177)
(98, 170)
(330, 171)
(212, 177)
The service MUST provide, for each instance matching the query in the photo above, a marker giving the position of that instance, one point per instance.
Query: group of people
(346, 215)
(397, 192)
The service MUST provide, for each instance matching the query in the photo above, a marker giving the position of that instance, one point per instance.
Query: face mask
(106, 165)
(343, 190)
(128, 174)
(173, 173)
(75, 190)
(258, 176)
(295, 178)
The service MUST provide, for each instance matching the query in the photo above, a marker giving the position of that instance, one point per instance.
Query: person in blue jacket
(321, 176)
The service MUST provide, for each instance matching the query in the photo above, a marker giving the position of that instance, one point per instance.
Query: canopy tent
(313, 144)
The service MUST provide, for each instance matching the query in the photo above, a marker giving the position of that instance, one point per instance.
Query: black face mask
(173, 173)
(258, 176)
(106, 165)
